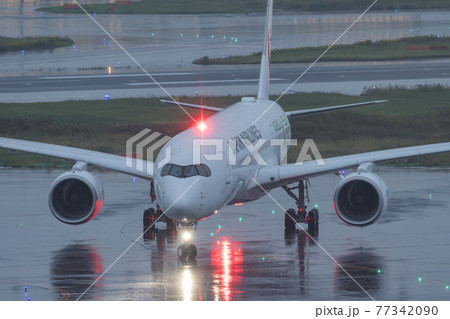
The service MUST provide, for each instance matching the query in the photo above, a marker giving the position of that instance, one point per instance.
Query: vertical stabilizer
(264, 74)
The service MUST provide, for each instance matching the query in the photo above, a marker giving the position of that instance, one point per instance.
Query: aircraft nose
(187, 200)
(181, 200)
(179, 206)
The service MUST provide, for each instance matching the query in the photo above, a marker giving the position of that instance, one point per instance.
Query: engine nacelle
(76, 197)
(360, 198)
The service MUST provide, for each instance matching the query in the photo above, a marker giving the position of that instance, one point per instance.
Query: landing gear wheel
(313, 221)
(289, 220)
(182, 252)
(191, 251)
(149, 218)
(170, 223)
(187, 252)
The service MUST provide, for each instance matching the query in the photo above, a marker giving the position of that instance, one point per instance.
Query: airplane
(237, 162)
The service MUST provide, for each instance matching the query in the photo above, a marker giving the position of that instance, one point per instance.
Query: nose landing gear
(187, 252)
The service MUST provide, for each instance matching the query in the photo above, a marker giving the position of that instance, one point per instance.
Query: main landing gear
(292, 216)
(187, 252)
(152, 215)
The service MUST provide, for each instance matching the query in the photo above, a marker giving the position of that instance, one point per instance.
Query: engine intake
(76, 197)
(360, 198)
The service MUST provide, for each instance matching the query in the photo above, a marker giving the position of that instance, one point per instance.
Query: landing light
(187, 236)
(202, 126)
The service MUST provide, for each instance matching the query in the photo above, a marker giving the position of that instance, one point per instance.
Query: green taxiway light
(316, 206)
(379, 271)
(273, 212)
(240, 219)
(446, 287)
(212, 234)
(219, 226)
(420, 279)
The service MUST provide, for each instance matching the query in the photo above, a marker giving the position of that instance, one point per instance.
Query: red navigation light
(201, 126)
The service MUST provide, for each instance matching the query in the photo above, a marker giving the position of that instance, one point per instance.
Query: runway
(403, 256)
(350, 78)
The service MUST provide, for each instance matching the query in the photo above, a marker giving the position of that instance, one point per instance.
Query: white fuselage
(187, 199)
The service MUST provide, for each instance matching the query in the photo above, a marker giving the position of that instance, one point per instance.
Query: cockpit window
(176, 171)
(185, 171)
(202, 171)
(190, 170)
(165, 170)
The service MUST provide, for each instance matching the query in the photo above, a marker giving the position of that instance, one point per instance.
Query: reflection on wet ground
(244, 253)
(73, 268)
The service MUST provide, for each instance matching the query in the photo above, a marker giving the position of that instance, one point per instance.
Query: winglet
(264, 74)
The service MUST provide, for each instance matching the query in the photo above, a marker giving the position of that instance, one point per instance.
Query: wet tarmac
(244, 253)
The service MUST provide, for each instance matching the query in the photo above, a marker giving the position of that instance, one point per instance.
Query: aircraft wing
(104, 160)
(194, 106)
(285, 174)
(292, 114)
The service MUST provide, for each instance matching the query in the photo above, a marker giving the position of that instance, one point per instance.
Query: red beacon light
(201, 126)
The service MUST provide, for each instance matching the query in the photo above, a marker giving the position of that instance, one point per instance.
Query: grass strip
(413, 116)
(404, 48)
(245, 6)
(33, 43)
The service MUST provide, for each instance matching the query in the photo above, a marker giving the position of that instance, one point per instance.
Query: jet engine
(361, 197)
(76, 196)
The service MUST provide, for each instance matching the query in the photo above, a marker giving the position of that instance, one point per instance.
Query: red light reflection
(97, 263)
(226, 259)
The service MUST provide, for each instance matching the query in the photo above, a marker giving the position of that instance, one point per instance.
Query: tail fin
(264, 74)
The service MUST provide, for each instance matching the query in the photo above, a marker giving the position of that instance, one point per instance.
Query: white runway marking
(202, 82)
(108, 76)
